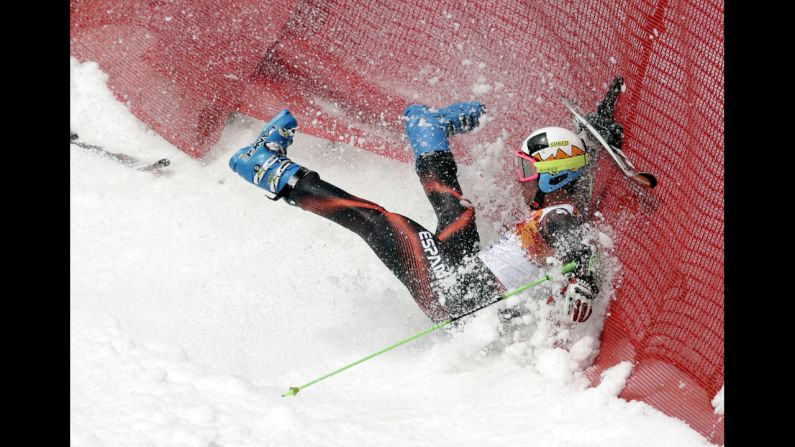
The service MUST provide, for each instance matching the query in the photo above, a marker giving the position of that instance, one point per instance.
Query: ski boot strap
(291, 182)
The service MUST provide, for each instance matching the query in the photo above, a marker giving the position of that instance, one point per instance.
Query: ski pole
(566, 269)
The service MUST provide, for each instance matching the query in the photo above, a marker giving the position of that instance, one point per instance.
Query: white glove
(577, 300)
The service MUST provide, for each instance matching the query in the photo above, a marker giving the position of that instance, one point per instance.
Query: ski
(618, 156)
(124, 159)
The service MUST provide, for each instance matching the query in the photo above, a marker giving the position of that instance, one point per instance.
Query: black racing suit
(441, 270)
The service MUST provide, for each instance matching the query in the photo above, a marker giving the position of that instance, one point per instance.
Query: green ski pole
(294, 390)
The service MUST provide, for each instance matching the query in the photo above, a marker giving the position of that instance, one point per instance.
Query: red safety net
(347, 70)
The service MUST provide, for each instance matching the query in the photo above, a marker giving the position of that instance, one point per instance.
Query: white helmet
(553, 155)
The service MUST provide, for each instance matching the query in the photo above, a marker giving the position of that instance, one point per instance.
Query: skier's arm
(565, 232)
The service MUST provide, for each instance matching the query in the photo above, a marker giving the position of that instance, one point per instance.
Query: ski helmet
(553, 155)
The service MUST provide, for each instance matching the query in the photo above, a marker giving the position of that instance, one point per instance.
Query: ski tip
(645, 179)
(292, 391)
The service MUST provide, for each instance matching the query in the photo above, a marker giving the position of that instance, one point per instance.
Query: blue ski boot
(265, 163)
(428, 129)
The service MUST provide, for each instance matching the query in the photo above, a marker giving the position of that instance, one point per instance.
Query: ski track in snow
(196, 302)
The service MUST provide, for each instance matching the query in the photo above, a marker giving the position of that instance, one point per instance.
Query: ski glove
(577, 300)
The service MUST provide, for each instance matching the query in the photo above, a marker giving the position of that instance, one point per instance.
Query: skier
(445, 271)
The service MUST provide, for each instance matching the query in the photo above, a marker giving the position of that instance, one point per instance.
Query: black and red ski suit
(441, 270)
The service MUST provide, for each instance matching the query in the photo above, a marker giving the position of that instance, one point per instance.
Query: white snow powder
(481, 88)
(717, 402)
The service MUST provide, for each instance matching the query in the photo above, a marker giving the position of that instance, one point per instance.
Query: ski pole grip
(569, 267)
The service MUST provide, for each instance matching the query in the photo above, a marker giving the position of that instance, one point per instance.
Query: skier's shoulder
(537, 233)
(531, 236)
(563, 211)
(550, 219)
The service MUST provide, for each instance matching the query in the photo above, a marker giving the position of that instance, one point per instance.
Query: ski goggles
(529, 169)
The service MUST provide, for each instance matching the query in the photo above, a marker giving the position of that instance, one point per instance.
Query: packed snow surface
(196, 302)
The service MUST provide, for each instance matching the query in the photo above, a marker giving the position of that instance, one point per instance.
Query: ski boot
(428, 129)
(265, 164)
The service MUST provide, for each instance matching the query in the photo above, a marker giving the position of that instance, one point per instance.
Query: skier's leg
(415, 255)
(411, 252)
(456, 226)
(428, 131)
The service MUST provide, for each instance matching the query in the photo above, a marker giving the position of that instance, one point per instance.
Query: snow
(717, 402)
(480, 87)
(605, 240)
(196, 302)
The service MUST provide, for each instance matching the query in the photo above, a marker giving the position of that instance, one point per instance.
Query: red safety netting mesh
(347, 70)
